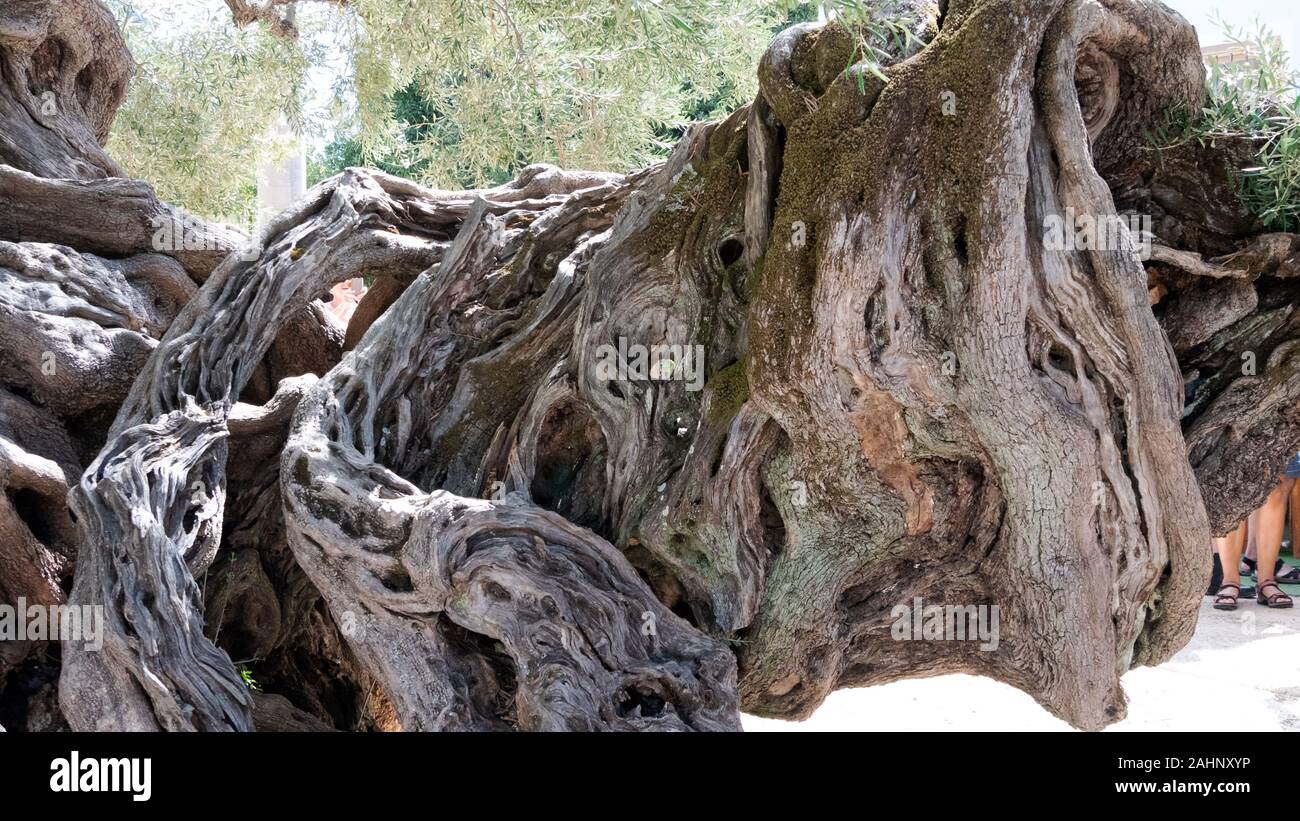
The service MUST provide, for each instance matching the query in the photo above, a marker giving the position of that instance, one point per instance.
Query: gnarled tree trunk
(885, 384)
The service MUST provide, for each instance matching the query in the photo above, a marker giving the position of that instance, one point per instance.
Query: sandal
(1291, 576)
(1283, 572)
(1227, 601)
(1277, 601)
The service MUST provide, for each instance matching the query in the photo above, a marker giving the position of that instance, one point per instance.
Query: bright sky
(1282, 16)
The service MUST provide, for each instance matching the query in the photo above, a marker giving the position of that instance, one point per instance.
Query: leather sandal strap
(1273, 598)
(1227, 598)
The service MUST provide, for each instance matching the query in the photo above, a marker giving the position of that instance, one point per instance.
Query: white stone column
(280, 183)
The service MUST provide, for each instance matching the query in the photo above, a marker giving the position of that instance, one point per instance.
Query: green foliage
(453, 93)
(430, 142)
(574, 82)
(1256, 100)
(199, 104)
(246, 675)
(881, 28)
(419, 122)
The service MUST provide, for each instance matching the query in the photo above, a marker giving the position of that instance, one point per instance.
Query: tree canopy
(453, 92)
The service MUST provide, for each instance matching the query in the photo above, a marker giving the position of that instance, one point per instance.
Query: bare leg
(1295, 520)
(1271, 517)
(1229, 549)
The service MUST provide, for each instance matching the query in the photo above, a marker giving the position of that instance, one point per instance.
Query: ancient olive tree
(640, 451)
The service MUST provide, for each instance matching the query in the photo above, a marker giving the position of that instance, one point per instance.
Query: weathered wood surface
(455, 514)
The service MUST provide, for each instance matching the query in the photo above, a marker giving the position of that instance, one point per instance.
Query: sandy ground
(1248, 661)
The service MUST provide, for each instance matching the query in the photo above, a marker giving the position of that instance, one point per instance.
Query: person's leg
(1271, 518)
(1252, 537)
(1290, 574)
(1229, 549)
(1295, 520)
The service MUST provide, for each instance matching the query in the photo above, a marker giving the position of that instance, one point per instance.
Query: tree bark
(65, 73)
(888, 384)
